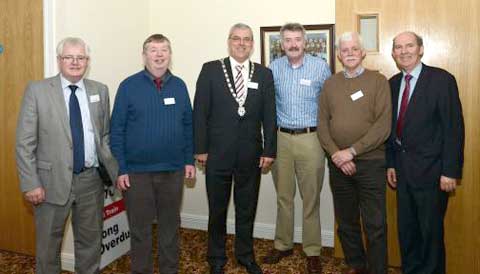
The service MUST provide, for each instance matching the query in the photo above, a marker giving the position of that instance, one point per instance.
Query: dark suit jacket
(220, 131)
(433, 133)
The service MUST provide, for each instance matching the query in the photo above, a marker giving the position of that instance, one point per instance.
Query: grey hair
(240, 26)
(293, 27)
(349, 36)
(74, 41)
(418, 38)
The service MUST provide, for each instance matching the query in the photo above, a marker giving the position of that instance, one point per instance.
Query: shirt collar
(65, 83)
(304, 60)
(164, 77)
(415, 72)
(356, 73)
(234, 62)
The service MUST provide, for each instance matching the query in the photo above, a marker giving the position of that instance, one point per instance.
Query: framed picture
(320, 42)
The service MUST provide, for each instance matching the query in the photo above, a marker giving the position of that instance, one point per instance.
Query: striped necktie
(239, 84)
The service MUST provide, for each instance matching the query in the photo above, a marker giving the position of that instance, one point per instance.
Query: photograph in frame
(320, 42)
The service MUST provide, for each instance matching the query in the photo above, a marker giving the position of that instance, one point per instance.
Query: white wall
(115, 31)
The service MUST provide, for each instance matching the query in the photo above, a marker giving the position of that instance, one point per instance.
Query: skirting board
(200, 222)
(260, 230)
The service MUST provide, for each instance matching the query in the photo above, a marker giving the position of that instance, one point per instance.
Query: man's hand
(202, 158)
(35, 196)
(349, 168)
(123, 182)
(341, 157)
(190, 171)
(265, 162)
(392, 177)
(447, 184)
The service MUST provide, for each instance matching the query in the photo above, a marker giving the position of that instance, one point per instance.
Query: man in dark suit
(424, 153)
(234, 100)
(62, 137)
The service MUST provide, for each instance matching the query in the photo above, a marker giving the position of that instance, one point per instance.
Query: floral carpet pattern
(193, 259)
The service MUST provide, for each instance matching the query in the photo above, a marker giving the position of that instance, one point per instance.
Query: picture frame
(320, 42)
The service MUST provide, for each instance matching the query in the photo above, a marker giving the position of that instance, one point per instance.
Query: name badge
(252, 85)
(169, 101)
(94, 98)
(357, 95)
(305, 82)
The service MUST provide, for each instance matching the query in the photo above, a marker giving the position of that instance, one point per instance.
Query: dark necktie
(403, 106)
(158, 83)
(76, 127)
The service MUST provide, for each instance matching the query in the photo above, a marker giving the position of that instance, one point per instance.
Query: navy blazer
(433, 134)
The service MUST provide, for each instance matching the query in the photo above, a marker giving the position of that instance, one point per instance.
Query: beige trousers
(301, 159)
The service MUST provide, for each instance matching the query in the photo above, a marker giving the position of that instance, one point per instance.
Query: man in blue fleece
(151, 138)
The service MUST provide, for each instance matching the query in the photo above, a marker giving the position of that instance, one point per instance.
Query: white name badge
(252, 85)
(169, 101)
(305, 82)
(94, 98)
(357, 95)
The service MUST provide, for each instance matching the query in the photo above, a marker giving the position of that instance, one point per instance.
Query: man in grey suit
(62, 138)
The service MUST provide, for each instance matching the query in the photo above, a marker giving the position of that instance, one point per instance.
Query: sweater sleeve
(118, 128)
(323, 127)
(380, 129)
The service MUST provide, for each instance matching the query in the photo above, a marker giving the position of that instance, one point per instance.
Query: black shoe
(275, 255)
(216, 269)
(252, 267)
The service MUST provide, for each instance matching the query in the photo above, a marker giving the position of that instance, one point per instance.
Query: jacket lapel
(56, 94)
(419, 89)
(93, 98)
(228, 67)
(395, 86)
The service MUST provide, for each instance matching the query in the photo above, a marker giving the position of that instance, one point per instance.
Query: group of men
(246, 118)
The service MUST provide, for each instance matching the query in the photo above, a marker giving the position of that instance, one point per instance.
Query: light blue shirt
(413, 82)
(88, 132)
(297, 90)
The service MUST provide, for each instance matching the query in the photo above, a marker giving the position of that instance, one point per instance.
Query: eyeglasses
(71, 58)
(237, 39)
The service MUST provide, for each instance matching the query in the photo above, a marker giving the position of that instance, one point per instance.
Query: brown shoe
(355, 271)
(275, 255)
(314, 266)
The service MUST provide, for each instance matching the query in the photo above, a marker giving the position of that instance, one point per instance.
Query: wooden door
(21, 38)
(451, 32)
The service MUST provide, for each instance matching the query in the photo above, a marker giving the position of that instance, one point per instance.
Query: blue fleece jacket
(151, 130)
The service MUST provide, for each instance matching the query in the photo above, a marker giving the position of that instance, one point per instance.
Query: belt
(84, 169)
(297, 130)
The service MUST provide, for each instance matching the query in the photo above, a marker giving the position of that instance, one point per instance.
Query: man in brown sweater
(354, 120)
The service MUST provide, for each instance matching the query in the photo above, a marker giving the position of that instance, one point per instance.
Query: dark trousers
(86, 205)
(420, 227)
(361, 196)
(155, 194)
(245, 191)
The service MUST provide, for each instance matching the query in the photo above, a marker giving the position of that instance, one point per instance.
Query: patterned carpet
(193, 256)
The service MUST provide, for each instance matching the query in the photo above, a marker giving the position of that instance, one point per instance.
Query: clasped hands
(343, 159)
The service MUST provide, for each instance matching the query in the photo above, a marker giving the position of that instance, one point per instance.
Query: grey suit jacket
(44, 148)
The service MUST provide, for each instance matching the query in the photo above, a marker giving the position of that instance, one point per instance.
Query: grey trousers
(362, 196)
(86, 205)
(155, 194)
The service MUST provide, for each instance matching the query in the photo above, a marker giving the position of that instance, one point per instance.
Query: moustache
(293, 49)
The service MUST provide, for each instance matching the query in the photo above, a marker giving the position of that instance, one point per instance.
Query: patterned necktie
(76, 126)
(158, 83)
(403, 106)
(239, 85)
